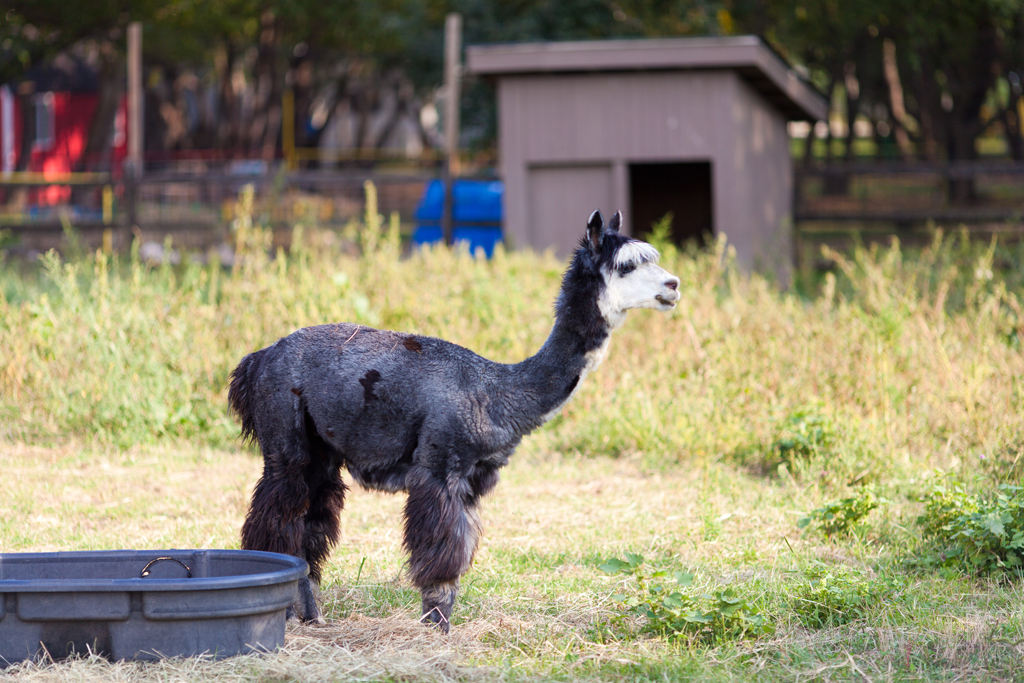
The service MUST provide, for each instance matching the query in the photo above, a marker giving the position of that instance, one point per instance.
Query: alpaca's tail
(240, 393)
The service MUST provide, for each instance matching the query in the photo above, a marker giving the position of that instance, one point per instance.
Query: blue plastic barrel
(476, 212)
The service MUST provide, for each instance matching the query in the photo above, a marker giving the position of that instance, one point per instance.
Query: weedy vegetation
(695, 452)
(839, 517)
(829, 596)
(668, 607)
(981, 532)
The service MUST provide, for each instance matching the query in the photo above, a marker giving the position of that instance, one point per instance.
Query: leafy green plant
(803, 441)
(839, 517)
(661, 598)
(800, 436)
(833, 596)
(984, 533)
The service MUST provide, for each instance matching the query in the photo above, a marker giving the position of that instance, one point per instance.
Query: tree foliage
(938, 73)
(929, 75)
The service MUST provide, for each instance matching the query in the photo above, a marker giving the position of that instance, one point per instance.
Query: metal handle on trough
(145, 570)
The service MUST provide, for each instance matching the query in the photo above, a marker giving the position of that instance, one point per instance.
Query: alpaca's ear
(595, 230)
(616, 222)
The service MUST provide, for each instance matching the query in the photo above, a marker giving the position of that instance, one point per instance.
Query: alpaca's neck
(576, 346)
(569, 351)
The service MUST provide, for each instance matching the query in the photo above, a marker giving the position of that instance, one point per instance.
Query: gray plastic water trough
(144, 604)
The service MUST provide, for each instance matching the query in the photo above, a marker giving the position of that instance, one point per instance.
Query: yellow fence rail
(43, 178)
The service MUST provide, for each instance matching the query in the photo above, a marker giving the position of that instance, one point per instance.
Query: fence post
(288, 129)
(133, 164)
(450, 169)
(108, 218)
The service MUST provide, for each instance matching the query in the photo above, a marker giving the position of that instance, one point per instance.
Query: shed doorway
(682, 188)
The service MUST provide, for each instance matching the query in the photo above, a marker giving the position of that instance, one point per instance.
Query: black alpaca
(408, 413)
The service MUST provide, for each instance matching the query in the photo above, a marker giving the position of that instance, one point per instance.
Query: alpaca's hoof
(308, 605)
(438, 603)
(293, 614)
(435, 619)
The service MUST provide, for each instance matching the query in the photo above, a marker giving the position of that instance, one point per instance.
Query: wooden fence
(195, 208)
(832, 202)
(909, 195)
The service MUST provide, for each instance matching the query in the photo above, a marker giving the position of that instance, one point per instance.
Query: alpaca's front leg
(442, 528)
(438, 602)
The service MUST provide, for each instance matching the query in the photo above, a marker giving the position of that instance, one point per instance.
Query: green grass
(704, 438)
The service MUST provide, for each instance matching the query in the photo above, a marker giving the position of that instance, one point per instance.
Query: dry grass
(534, 603)
(67, 499)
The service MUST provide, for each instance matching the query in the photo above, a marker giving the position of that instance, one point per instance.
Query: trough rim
(294, 569)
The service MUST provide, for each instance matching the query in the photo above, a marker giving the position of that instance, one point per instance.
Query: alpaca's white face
(635, 280)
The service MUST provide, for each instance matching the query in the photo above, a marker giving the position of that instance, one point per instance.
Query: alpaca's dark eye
(626, 269)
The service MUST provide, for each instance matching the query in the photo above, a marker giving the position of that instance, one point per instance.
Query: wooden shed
(695, 126)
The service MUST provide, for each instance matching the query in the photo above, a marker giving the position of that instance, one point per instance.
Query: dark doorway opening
(682, 188)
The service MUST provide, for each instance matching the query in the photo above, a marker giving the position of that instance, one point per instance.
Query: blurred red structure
(61, 98)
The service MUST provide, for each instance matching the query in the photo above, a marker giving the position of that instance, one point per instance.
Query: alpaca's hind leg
(325, 504)
(276, 518)
(308, 602)
(442, 527)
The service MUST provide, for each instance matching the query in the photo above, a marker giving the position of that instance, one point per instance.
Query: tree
(938, 73)
(934, 64)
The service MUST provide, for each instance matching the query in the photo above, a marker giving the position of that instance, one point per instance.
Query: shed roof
(754, 61)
